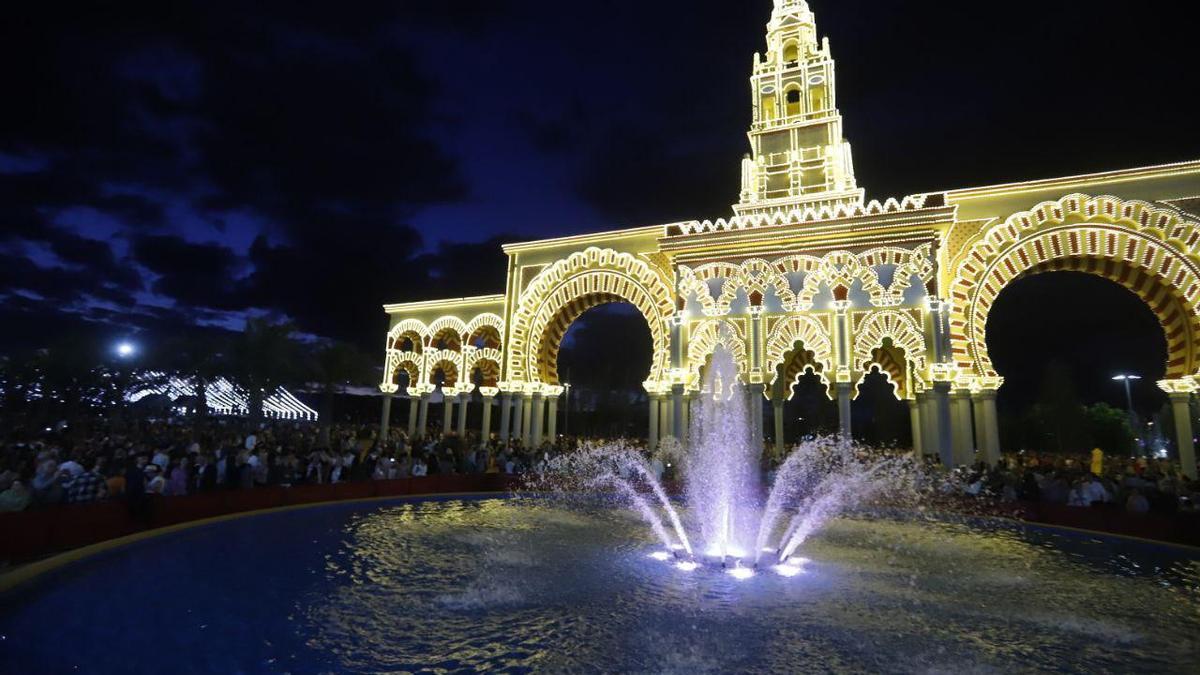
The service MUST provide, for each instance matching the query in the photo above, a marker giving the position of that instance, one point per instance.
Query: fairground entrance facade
(807, 277)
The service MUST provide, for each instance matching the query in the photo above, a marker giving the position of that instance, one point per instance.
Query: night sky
(176, 164)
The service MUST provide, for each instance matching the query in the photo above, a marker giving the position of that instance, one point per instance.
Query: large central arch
(1152, 251)
(559, 294)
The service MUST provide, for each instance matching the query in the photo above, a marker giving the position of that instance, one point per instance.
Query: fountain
(493, 583)
(727, 524)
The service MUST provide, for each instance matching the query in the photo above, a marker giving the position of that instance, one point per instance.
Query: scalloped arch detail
(704, 340)
(797, 328)
(1152, 250)
(591, 273)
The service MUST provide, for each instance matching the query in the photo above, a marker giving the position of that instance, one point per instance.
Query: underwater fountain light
(788, 570)
(740, 573)
(727, 526)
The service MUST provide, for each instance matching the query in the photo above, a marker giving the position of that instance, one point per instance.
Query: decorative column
(914, 415)
(505, 411)
(527, 416)
(844, 390)
(960, 425)
(987, 425)
(652, 439)
(1180, 392)
(518, 403)
(929, 435)
(423, 415)
(941, 405)
(552, 394)
(414, 402)
(464, 397)
(979, 437)
(777, 410)
(664, 416)
(755, 393)
(535, 432)
(688, 399)
(843, 385)
(448, 396)
(677, 410)
(485, 428)
(388, 391)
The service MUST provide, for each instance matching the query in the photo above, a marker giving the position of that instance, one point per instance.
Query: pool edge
(30, 572)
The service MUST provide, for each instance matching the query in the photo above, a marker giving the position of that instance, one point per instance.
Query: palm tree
(198, 359)
(336, 365)
(263, 358)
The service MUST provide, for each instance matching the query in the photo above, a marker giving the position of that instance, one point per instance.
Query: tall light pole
(1133, 425)
(567, 409)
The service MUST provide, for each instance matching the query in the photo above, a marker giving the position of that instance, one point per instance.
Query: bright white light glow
(660, 555)
(676, 547)
(741, 573)
(223, 397)
(125, 349)
(687, 565)
(788, 570)
(718, 552)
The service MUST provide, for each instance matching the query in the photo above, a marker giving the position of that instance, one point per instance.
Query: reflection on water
(527, 584)
(531, 585)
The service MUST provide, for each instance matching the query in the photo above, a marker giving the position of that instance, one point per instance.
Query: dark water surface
(506, 585)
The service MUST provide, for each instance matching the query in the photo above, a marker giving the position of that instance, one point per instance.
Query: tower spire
(798, 157)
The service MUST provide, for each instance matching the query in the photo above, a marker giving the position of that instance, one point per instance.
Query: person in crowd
(47, 489)
(135, 485)
(116, 478)
(419, 468)
(156, 484)
(177, 483)
(86, 486)
(14, 496)
(1093, 490)
(161, 459)
(205, 478)
(1137, 502)
(245, 469)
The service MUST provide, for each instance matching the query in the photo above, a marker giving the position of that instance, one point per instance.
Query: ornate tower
(798, 157)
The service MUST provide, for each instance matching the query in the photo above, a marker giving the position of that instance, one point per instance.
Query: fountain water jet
(733, 525)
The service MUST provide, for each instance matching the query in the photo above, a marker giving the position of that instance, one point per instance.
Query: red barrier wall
(1181, 528)
(31, 534)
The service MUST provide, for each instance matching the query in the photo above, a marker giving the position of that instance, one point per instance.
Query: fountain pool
(449, 585)
(739, 577)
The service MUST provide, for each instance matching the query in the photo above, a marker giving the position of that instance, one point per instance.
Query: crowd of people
(1136, 485)
(158, 458)
(70, 466)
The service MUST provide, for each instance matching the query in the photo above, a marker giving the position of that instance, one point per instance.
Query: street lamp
(1129, 399)
(567, 409)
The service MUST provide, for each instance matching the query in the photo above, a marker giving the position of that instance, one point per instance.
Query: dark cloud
(156, 126)
(640, 177)
(184, 163)
(200, 275)
(336, 285)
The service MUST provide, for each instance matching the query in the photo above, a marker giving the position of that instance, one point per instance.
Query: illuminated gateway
(808, 277)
